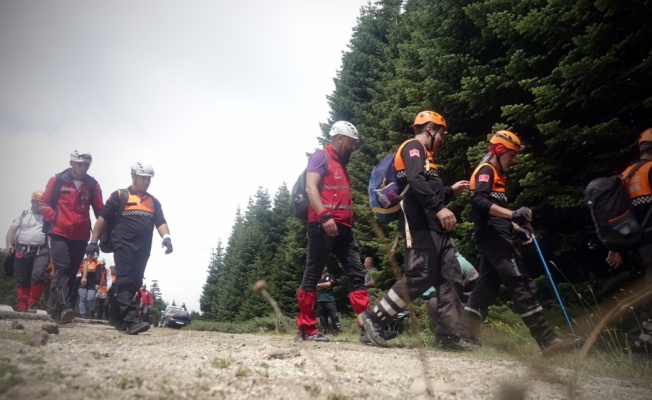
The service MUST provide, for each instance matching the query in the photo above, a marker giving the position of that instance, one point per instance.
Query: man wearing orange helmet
(500, 262)
(639, 338)
(25, 238)
(425, 224)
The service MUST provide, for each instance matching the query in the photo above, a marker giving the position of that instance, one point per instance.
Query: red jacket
(72, 216)
(146, 298)
(335, 192)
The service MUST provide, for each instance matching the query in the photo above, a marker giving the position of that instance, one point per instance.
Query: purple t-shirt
(317, 163)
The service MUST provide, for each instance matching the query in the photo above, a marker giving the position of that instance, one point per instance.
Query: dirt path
(94, 361)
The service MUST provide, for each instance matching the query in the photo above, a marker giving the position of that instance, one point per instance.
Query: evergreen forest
(572, 78)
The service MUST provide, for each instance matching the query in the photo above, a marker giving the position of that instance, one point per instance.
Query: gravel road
(94, 361)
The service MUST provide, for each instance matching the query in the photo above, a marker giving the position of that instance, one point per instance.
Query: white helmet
(344, 128)
(142, 169)
(81, 156)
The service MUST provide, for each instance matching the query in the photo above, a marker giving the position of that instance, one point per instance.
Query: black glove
(167, 243)
(522, 234)
(522, 215)
(92, 248)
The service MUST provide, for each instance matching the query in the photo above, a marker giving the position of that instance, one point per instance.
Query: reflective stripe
(384, 304)
(646, 338)
(338, 207)
(396, 299)
(476, 312)
(337, 187)
(536, 310)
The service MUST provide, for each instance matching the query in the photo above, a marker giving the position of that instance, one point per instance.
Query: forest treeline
(572, 78)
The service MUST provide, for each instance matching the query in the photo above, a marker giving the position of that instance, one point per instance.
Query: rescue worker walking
(639, 338)
(500, 262)
(65, 206)
(101, 291)
(425, 224)
(146, 302)
(132, 243)
(330, 219)
(26, 240)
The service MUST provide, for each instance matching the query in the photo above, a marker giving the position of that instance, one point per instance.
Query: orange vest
(639, 183)
(498, 185)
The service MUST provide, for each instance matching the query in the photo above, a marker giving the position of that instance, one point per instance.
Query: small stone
(16, 325)
(39, 338)
(52, 329)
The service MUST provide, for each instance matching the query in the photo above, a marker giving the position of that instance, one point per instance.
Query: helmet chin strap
(500, 163)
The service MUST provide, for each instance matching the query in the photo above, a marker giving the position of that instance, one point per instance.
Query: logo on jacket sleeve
(415, 153)
(483, 178)
(337, 174)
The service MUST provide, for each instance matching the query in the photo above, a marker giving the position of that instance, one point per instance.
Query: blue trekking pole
(545, 265)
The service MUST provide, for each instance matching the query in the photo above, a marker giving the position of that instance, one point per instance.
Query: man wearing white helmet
(27, 242)
(65, 206)
(330, 218)
(139, 214)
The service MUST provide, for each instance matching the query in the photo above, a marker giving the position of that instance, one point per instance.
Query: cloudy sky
(221, 97)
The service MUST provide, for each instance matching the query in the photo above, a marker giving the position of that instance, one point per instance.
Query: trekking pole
(554, 287)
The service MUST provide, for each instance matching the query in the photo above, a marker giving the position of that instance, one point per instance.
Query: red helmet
(507, 139)
(428, 116)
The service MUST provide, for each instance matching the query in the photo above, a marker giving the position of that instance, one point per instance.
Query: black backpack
(106, 237)
(299, 202)
(613, 214)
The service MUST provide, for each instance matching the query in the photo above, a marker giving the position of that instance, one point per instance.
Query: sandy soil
(94, 361)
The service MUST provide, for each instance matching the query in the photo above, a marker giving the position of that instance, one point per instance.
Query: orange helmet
(507, 139)
(37, 195)
(645, 137)
(428, 116)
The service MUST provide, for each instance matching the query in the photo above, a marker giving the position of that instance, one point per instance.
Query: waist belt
(27, 248)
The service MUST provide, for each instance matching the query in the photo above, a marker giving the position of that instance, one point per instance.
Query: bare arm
(11, 234)
(98, 228)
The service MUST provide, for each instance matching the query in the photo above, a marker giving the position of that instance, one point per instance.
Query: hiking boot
(374, 332)
(559, 346)
(316, 337)
(364, 339)
(456, 344)
(389, 334)
(67, 316)
(138, 327)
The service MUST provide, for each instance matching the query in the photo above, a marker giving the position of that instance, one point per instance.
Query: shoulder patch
(483, 178)
(415, 153)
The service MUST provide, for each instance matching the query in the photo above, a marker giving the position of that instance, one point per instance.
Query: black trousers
(130, 269)
(326, 309)
(67, 256)
(501, 263)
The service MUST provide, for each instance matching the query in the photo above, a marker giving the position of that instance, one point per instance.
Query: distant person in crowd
(101, 289)
(146, 302)
(111, 294)
(369, 267)
(87, 286)
(426, 225)
(26, 240)
(330, 221)
(639, 338)
(326, 307)
(500, 262)
(65, 206)
(132, 243)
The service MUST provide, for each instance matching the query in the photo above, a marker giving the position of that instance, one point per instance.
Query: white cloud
(221, 97)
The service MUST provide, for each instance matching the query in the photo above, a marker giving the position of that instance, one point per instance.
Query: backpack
(612, 211)
(384, 193)
(299, 202)
(106, 237)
